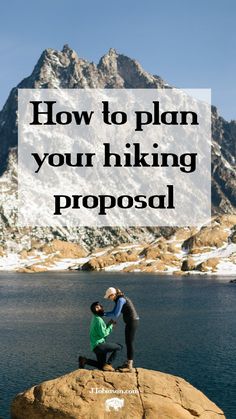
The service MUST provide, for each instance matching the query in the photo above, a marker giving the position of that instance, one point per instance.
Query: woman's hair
(119, 293)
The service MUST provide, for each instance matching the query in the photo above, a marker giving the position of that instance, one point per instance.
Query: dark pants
(130, 330)
(101, 352)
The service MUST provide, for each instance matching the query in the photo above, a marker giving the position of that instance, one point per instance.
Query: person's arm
(115, 313)
(103, 330)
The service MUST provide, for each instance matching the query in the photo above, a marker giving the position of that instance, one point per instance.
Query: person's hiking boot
(108, 367)
(82, 361)
(127, 366)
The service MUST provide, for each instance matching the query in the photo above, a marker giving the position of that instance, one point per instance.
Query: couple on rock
(99, 331)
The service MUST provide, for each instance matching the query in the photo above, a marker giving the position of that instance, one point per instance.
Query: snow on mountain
(64, 69)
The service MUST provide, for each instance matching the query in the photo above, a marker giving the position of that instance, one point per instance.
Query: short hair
(93, 305)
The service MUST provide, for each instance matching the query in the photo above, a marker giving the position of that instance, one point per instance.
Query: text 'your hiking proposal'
(114, 157)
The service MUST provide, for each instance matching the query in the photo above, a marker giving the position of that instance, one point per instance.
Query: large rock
(208, 236)
(155, 396)
(209, 265)
(110, 258)
(64, 249)
(188, 264)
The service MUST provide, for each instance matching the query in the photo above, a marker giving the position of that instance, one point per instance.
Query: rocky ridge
(155, 395)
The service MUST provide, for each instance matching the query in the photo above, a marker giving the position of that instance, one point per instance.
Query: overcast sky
(189, 43)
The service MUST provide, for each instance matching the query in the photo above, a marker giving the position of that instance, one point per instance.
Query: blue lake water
(187, 328)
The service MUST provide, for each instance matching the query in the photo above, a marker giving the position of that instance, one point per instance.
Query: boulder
(64, 249)
(99, 395)
(208, 265)
(143, 266)
(109, 259)
(98, 263)
(227, 220)
(233, 237)
(155, 250)
(207, 237)
(129, 256)
(188, 264)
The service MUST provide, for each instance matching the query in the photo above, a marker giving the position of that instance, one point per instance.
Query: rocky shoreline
(210, 249)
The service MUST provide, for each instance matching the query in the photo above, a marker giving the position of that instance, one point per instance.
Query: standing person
(125, 306)
(98, 332)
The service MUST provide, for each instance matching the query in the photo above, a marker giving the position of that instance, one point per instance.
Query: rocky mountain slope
(64, 69)
(210, 249)
(155, 395)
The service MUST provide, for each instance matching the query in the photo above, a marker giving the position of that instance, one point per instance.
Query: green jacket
(98, 331)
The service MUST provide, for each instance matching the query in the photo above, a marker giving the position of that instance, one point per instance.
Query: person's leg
(106, 348)
(101, 355)
(92, 363)
(87, 361)
(113, 348)
(100, 352)
(130, 330)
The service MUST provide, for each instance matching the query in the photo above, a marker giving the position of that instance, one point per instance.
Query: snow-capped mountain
(64, 69)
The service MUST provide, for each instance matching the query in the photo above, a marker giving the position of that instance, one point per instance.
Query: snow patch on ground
(226, 268)
(221, 252)
(120, 266)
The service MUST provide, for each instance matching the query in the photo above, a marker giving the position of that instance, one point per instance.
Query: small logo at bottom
(114, 404)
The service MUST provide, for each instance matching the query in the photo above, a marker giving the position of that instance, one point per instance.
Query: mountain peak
(65, 70)
(112, 52)
(66, 48)
(68, 51)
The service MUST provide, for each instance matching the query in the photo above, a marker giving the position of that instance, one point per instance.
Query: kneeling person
(99, 330)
